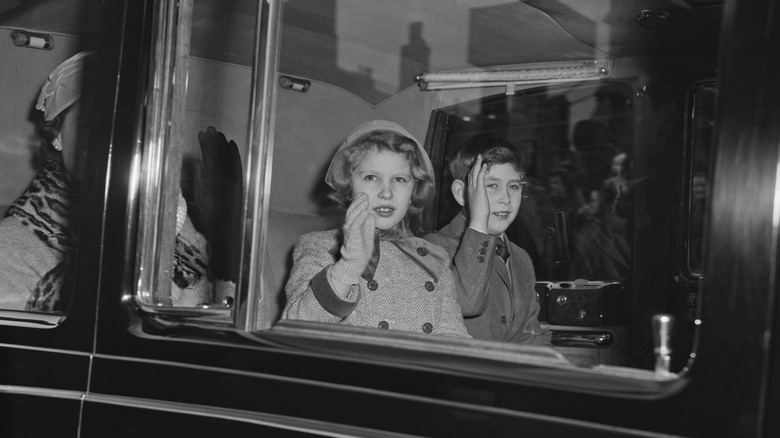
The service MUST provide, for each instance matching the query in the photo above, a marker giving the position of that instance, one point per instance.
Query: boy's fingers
(476, 170)
(473, 175)
(481, 175)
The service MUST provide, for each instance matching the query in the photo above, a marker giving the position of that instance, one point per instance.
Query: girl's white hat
(363, 130)
(63, 87)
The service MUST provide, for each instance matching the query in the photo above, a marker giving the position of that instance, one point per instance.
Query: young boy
(497, 297)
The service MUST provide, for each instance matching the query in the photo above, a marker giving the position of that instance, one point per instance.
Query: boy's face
(386, 177)
(504, 186)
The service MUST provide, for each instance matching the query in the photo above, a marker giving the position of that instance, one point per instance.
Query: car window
(243, 126)
(195, 155)
(46, 103)
(578, 144)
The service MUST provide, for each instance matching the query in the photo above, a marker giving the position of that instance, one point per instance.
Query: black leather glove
(218, 193)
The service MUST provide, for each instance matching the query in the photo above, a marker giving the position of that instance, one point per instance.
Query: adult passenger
(38, 236)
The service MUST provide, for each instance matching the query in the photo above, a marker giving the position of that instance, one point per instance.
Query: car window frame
(492, 359)
(156, 164)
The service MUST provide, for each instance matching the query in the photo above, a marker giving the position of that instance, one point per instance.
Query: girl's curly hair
(381, 141)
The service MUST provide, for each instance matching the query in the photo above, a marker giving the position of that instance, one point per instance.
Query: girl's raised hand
(358, 244)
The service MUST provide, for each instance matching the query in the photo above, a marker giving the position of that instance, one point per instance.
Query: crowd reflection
(584, 210)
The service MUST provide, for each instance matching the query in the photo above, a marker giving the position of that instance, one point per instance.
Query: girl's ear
(458, 188)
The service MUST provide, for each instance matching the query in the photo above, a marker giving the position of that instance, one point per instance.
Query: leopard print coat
(47, 211)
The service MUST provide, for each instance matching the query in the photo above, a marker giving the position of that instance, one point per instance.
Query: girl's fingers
(357, 205)
(369, 224)
(368, 233)
(356, 226)
(349, 218)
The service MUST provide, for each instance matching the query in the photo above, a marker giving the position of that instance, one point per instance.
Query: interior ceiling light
(654, 19)
(512, 76)
(22, 38)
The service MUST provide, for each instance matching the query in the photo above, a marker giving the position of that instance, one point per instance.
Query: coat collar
(432, 258)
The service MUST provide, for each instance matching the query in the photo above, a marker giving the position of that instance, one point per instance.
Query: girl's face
(386, 177)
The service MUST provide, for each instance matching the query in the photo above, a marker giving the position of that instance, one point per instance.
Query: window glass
(577, 141)
(190, 225)
(602, 186)
(46, 100)
(605, 195)
(576, 214)
(702, 123)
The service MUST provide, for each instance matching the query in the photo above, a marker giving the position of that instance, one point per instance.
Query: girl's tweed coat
(414, 289)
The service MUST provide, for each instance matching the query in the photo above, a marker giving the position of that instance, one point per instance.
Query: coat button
(481, 259)
(384, 325)
(427, 327)
(422, 251)
(372, 284)
(503, 319)
(484, 244)
(483, 251)
(429, 286)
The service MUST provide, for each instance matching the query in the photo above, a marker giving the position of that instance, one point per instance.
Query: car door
(226, 367)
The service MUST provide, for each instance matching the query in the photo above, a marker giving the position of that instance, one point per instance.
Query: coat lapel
(500, 267)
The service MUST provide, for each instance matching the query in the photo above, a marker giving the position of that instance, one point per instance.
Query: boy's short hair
(494, 150)
(387, 141)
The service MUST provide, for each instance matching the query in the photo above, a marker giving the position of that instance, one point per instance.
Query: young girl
(372, 272)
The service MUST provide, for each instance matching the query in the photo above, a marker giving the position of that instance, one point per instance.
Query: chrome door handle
(596, 339)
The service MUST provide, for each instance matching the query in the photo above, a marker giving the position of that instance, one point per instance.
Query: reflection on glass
(39, 234)
(576, 215)
(703, 118)
(205, 155)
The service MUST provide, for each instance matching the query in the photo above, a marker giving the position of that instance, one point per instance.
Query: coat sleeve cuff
(329, 300)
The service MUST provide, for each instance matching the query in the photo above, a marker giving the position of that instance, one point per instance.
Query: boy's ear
(458, 191)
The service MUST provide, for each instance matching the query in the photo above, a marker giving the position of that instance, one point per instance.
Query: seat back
(282, 233)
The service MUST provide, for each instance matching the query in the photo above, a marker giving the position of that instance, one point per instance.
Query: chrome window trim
(161, 145)
(260, 161)
(20, 318)
(42, 392)
(511, 363)
(45, 349)
(688, 271)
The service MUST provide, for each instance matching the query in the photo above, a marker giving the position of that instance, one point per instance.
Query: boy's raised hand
(358, 244)
(479, 204)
